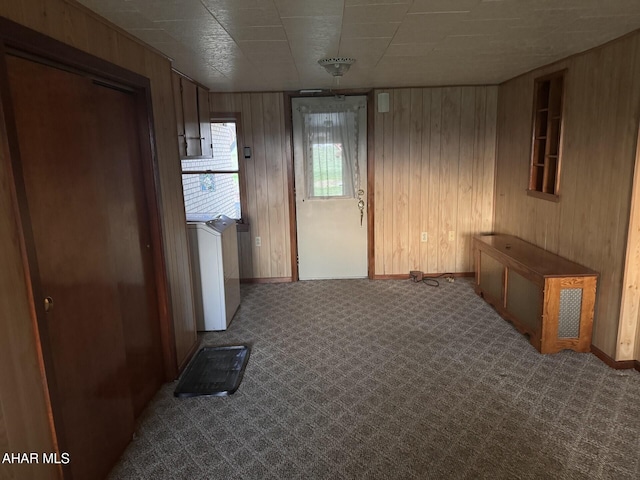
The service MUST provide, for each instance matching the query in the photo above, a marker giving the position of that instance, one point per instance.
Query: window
(328, 172)
(544, 178)
(213, 186)
(331, 152)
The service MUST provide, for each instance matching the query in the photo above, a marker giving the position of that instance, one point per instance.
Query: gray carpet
(353, 379)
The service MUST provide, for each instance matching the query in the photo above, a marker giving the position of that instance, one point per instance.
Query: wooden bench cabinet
(545, 296)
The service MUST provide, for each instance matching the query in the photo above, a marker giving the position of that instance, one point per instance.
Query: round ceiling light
(337, 66)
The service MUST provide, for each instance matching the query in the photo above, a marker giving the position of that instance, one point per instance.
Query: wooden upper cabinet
(205, 123)
(177, 99)
(192, 117)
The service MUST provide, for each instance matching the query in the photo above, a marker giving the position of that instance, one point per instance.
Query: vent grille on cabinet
(569, 315)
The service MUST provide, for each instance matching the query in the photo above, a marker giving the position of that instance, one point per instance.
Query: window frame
(542, 108)
(230, 117)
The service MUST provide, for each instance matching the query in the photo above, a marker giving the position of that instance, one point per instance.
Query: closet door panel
(64, 145)
(117, 156)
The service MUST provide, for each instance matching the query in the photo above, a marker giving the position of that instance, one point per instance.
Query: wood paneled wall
(262, 117)
(589, 223)
(434, 173)
(22, 389)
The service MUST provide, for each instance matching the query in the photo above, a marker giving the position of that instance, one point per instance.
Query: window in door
(331, 165)
(213, 186)
(328, 172)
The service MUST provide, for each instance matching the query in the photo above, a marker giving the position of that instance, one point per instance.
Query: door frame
(288, 128)
(628, 346)
(21, 41)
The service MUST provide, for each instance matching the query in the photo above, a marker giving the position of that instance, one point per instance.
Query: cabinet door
(231, 272)
(524, 301)
(491, 277)
(177, 100)
(191, 119)
(205, 122)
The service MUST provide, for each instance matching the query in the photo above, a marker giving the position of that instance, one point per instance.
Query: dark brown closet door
(119, 161)
(81, 167)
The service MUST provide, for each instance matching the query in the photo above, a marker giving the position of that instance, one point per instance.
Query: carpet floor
(359, 379)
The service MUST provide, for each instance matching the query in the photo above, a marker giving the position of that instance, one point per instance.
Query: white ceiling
(261, 45)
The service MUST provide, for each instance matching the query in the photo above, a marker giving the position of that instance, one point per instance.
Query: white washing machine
(216, 274)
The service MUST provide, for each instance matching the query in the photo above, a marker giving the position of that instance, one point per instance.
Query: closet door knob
(48, 304)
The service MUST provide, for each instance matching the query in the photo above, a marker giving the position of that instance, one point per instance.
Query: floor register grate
(214, 371)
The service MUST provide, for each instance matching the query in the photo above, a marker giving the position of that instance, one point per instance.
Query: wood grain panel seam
(112, 26)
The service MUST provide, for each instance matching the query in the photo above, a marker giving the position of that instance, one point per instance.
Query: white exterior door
(332, 233)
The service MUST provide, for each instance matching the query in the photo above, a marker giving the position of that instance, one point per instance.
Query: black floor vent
(214, 371)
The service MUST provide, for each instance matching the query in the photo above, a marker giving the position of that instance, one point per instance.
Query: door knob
(361, 204)
(48, 304)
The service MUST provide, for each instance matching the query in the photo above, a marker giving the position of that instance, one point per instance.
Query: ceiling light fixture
(337, 66)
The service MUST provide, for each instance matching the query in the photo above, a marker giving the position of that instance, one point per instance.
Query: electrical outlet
(452, 235)
(424, 237)
(258, 242)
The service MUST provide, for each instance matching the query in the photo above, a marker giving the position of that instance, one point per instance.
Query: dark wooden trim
(19, 39)
(291, 183)
(435, 276)
(618, 365)
(151, 172)
(327, 92)
(268, 280)
(399, 276)
(371, 260)
(552, 75)
(544, 196)
(192, 351)
(214, 172)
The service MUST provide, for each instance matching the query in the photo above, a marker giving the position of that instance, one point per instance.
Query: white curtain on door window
(331, 164)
